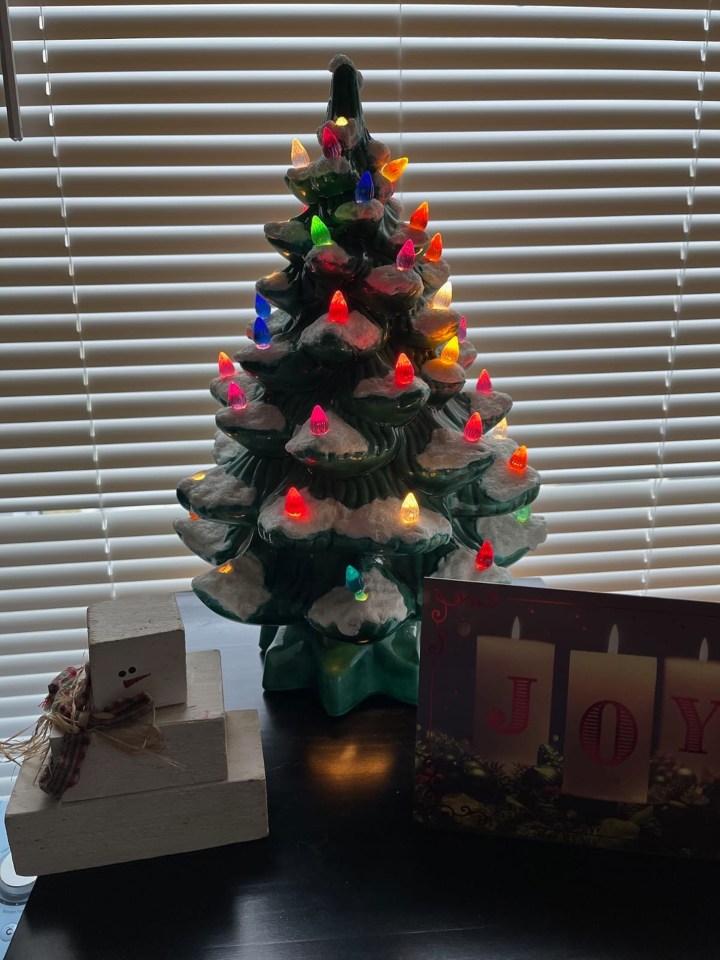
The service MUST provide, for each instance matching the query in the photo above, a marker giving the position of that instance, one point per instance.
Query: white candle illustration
(513, 694)
(608, 731)
(690, 720)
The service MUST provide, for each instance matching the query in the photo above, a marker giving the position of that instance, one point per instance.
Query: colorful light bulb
(225, 568)
(295, 506)
(405, 259)
(404, 371)
(451, 351)
(198, 476)
(319, 423)
(518, 460)
(365, 188)
(236, 396)
(355, 583)
(523, 514)
(484, 383)
(462, 329)
(261, 334)
(319, 233)
(443, 298)
(262, 307)
(299, 157)
(485, 556)
(500, 431)
(338, 309)
(331, 146)
(226, 366)
(434, 250)
(393, 170)
(473, 429)
(410, 511)
(341, 121)
(193, 516)
(419, 219)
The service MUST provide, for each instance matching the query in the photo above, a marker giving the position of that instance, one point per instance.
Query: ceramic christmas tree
(142, 760)
(350, 461)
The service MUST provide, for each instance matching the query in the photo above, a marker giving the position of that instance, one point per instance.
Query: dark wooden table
(346, 875)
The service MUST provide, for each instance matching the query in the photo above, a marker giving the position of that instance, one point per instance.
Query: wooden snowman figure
(180, 774)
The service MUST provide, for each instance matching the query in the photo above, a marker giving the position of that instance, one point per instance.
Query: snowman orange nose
(131, 680)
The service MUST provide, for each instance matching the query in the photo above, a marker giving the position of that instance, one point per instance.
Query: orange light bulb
(434, 250)
(193, 516)
(518, 460)
(485, 556)
(338, 310)
(451, 351)
(419, 219)
(473, 429)
(410, 511)
(225, 366)
(319, 424)
(295, 506)
(225, 568)
(393, 170)
(443, 298)
(484, 383)
(404, 371)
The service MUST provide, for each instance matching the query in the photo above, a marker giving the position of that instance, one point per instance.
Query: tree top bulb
(443, 298)
(473, 429)
(435, 248)
(236, 396)
(410, 511)
(393, 170)
(319, 424)
(299, 157)
(225, 366)
(451, 351)
(419, 219)
(518, 460)
(484, 383)
(485, 556)
(319, 233)
(365, 188)
(405, 259)
(338, 309)
(404, 371)
(331, 146)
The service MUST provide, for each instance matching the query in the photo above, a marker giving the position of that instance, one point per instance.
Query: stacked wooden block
(204, 788)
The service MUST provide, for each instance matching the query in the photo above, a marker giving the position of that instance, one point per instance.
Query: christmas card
(577, 717)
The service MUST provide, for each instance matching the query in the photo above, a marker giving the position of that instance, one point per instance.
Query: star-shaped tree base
(343, 674)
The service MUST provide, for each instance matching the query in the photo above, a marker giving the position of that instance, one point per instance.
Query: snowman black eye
(131, 669)
(121, 673)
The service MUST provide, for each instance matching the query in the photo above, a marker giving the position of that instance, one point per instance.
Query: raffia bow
(68, 709)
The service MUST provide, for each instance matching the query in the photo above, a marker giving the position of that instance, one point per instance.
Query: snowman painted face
(130, 676)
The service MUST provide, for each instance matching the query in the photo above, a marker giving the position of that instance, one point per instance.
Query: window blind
(570, 154)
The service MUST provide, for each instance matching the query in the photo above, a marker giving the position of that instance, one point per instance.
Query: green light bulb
(355, 583)
(319, 233)
(523, 514)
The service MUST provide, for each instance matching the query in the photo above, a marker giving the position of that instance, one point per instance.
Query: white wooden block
(135, 646)
(50, 837)
(194, 737)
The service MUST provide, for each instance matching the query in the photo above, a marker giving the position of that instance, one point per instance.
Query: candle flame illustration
(703, 655)
(614, 641)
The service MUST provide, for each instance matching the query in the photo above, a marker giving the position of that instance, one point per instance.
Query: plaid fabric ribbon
(68, 708)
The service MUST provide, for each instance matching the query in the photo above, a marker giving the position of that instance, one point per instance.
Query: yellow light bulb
(443, 298)
(299, 156)
(410, 511)
(451, 351)
(393, 170)
(198, 476)
(500, 431)
(341, 121)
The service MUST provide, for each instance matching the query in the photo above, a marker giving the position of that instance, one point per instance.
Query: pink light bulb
(319, 423)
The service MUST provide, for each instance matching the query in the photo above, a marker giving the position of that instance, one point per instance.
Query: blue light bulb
(262, 307)
(365, 189)
(261, 334)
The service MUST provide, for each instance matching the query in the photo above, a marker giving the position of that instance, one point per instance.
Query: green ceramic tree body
(284, 567)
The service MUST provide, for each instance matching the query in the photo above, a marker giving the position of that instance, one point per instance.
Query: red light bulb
(419, 219)
(484, 383)
(473, 429)
(485, 556)
(518, 460)
(434, 250)
(405, 259)
(295, 506)
(226, 366)
(331, 146)
(236, 396)
(338, 310)
(319, 423)
(404, 371)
